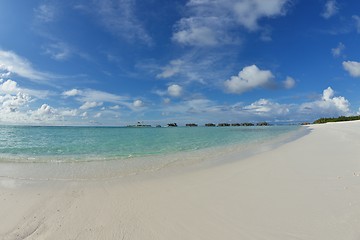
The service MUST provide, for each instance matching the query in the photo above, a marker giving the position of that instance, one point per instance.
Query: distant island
(246, 124)
(338, 119)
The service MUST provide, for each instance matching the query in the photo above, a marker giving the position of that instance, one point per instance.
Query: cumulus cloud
(72, 93)
(249, 77)
(330, 9)
(336, 52)
(328, 105)
(9, 86)
(88, 105)
(174, 90)
(289, 83)
(45, 110)
(352, 67)
(209, 21)
(17, 107)
(13, 102)
(138, 103)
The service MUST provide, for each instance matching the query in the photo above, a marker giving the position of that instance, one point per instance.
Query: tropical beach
(306, 188)
(180, 120)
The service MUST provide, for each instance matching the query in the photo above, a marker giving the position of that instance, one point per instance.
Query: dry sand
(305, 189)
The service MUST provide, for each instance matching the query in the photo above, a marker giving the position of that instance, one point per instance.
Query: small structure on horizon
(139, 125)
(210, 125)
(191, 125)
(223, 125)
(247, 124)
(172, 125)
(262, 124)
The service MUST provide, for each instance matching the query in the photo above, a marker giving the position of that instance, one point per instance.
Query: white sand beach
(308, 189)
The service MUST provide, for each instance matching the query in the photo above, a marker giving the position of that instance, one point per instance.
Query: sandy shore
(305, 189)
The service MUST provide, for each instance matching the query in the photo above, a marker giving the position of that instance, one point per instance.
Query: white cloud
(11, 103)
(45, 110)
(11, 62)
(170, 70)
(267, 108)
(91, 95)
(97, 115)
(138, 103)
(166, 100)
(72, 93)
(191, 32)
(330, 9)
(175, 90)
(352, 67)
(196, 66)
(9, 86)
(119, 18)
(328, 105)
(289, 82)
(88, 105)
(46, 12)
(336, 52)
(99, 96)
(59, 51)
(69, 112)
(90, 98)
(249, 77)
(209, 21)
(249, 12)
(116, 107)
(357, 23)
(4, 74)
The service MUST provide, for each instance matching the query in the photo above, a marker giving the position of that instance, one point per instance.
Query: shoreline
(169, 163)
(307, 188)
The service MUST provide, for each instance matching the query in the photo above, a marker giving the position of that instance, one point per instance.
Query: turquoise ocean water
(76, 144)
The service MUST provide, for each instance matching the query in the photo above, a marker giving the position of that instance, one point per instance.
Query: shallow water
(73, 144)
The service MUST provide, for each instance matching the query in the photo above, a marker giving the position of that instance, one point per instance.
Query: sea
(74, 144)
(43, 153)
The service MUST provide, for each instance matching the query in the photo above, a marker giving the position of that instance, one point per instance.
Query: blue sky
(116, 62)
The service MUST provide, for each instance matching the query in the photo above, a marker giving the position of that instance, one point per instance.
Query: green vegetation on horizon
(338, 119)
